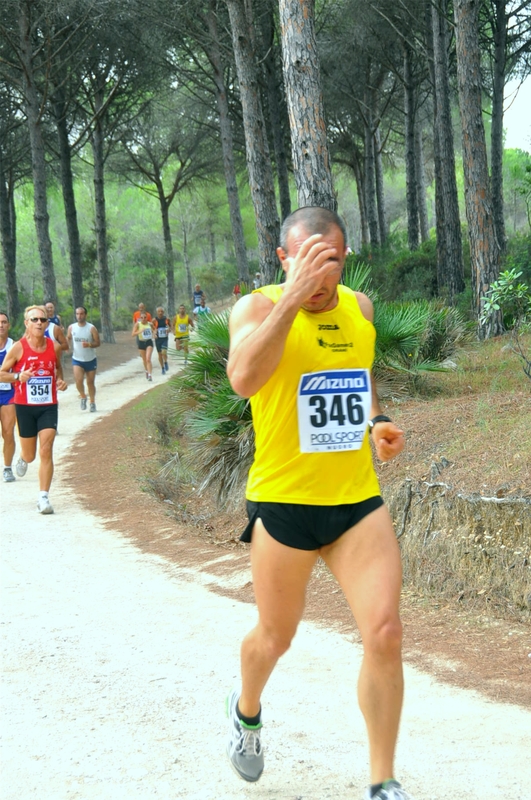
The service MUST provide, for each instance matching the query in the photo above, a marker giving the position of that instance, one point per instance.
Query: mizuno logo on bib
(333, 408)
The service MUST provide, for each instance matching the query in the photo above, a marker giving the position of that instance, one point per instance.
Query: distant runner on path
(161, 329)
(84, 338)
(303, 353)
(7, 404)
(37, 374)
(143, 330)
(182, 326)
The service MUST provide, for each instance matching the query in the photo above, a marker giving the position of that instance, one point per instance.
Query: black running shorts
(32, 419)
(306, 527)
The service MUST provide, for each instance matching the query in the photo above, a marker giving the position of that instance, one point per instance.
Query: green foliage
(513, 298)
(518, 256)
(212, 415)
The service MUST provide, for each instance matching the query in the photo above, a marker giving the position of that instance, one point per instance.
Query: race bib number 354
(333, 408)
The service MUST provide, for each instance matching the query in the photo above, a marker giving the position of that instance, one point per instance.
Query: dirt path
(116, 663)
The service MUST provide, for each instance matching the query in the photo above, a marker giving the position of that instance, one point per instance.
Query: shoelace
(248, 743)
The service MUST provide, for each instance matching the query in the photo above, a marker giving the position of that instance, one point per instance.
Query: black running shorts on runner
(306, 527)
(143, 344)
(161, 344)
(32, 419)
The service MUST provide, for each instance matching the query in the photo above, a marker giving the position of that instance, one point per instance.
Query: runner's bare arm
(13, 355)
(135, 329)
(59, 335)
(388, 439)
(259, 327)
(61, 383)
(96, 342)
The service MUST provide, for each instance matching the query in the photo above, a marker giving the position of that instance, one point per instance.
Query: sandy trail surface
(116, 665)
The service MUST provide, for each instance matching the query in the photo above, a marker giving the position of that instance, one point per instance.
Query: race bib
(5, 387)
(183, 327)
(333, 408)
(146, 333)
(39, 391)
(162, 333)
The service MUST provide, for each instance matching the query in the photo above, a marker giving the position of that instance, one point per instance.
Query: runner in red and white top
(34, 365)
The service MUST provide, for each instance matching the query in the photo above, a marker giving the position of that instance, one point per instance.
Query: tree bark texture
(484, 249)
(257, 150)
(370, 176)
(302, 79)
(421, 183)
(67, 185)
(411, 170)
(104, 277)
(450, 267)
(168, 250)
(380, 194)
(496, 133)
(227, 149)
(276, 112)
(32, 109)
(7, 234)
(360, 188)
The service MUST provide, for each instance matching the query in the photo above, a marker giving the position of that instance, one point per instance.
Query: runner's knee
(276, 641)
(384, 638)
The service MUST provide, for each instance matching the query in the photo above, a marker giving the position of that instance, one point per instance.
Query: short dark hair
(4, 314)
(313, 219)
(83, 307)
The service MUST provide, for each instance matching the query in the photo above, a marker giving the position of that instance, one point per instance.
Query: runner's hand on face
(307, 270)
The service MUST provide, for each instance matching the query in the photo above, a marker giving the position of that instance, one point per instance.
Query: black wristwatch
(378, 418)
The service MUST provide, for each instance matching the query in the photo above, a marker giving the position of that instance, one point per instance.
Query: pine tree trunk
(67, 185)
(421, 184)
(168, 249)
(380, 194)
(104, 278)
(276, 115)
(302, 81)
(32, 109)
(186, 261)
(257, 150)
(496, 134)
(227, 149)
(450, 267)
(8, 244)
(370, 178)
(360, 190)
(411, 170)
(484, 249)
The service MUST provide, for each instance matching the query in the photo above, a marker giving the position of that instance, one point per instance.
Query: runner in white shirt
(84, 337)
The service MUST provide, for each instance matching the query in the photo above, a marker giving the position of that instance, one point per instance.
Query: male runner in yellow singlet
(182, 324)
(303, 353)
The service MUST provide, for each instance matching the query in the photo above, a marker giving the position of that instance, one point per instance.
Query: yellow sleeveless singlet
(182, 326)
(340, 339)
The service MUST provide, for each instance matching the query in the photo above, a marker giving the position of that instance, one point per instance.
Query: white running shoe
(391, 790)
(44, 506)
(8, 475)
(21, 467)
(149, 377)
(83, 404)
(93, 406)
(244, 747)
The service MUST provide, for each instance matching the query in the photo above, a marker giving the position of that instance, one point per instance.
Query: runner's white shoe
(244, 748)
(93, 406)
(44, 506)
(21, 467)
(83, 404)
(8, 475)
(391, 790)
